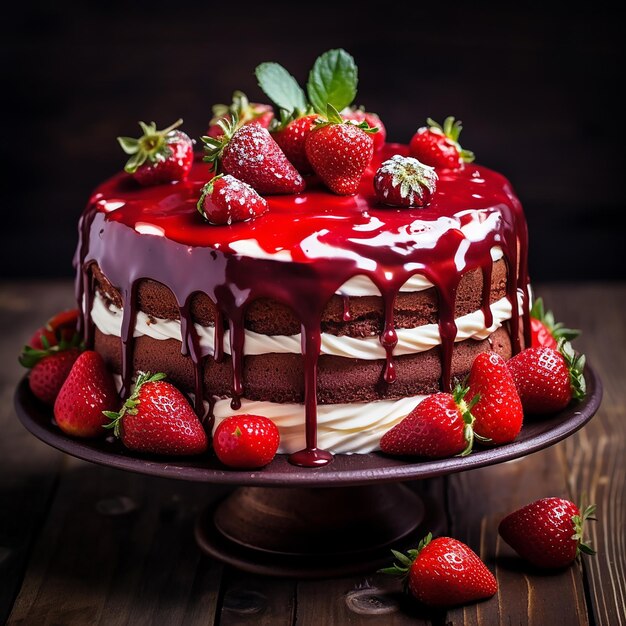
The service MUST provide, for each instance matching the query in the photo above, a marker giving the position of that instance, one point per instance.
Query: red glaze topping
(330, 239)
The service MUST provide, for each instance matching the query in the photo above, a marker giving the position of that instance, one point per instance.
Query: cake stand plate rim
(346, 470)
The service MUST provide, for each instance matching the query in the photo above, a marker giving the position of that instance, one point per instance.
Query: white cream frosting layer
(341, 428)
(108, 319)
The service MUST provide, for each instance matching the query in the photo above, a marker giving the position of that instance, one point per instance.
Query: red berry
(48, 375)
(444, 572)
(545, 331)
(158, 156)
(439, 426)
(245, 112)
(226, 200)
(339, 152)
(439, 146)
(547, 379)
(157, 419)
(60, 327)
(548, 532)
(372, 120)
(250, 154)
(87, 391)
(292, 141)
(405, 182)
(540, 335)
(498, 413)
(246, 441)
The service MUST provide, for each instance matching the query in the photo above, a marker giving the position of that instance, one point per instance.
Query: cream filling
(341, 428)
(108, 319)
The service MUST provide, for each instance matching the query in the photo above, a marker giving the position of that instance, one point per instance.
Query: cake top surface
(468, 204)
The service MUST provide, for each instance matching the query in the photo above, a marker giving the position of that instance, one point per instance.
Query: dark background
(535, 87)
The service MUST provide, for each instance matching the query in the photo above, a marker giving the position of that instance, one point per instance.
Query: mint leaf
(332, 80)
(281, 87)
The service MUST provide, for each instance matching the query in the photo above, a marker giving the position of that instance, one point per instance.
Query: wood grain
(28, 469)
(103, 546)
(595, 457)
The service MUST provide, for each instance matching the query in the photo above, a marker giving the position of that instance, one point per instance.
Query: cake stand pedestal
(334, 520)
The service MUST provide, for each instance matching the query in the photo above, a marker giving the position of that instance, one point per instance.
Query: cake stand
(334, 520)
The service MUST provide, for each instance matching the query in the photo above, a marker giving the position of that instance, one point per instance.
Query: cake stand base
(312, 533)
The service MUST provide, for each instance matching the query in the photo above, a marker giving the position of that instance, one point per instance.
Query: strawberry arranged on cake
(303, 271)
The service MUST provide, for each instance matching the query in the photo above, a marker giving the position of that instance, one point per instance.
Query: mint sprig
(333, 80)
(281, 88)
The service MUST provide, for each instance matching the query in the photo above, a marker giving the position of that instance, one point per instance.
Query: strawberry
(548, 379)
(250, 154)
(51, 363)
(548, 532)
(246, 441)
(439, 146)
(372, 120)
(87, 391)
(226, 200)
(339, 152)
(498, 413)
(48, 375)
(158, 156)
(245, 111)
(439, 426)
(292, 140)
(61, 326)
(158, 419)
(544, 330)
(444, 572)
(405, 182)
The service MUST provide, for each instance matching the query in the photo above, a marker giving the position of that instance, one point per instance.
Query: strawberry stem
(29, 357)
(405, 561)
(214, 146)
(152, 146)
(579, 526)
(576, 365)
(556, 329)
(131, 404)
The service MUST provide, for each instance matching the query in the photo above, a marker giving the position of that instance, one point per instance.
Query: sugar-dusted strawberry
(498, 413)
(60, 327)
(246, 441)
(548, 379)
(545, 331)
(339, 152)
(87, 391)
(226, 200)
(158, 419)
(444, 572)
(372, 120)
(292, 139)
(439, 426)
(250, 154)
(548, 532)
(158, 156)
(244, 110)
(438, 145)
(405, 182)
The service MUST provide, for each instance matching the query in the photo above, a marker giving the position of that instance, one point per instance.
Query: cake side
(381, 297)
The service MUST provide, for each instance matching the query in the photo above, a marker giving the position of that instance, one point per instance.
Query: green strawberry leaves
(333, 80)
(281, 88)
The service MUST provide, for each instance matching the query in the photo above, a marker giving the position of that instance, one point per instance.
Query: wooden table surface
(83, 544)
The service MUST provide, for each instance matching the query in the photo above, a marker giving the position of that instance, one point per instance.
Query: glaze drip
(300, 254)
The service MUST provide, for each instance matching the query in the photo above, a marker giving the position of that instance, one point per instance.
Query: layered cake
(331, 315)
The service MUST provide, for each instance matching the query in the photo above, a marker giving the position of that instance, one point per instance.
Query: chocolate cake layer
(279, 377)
(268, 317)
